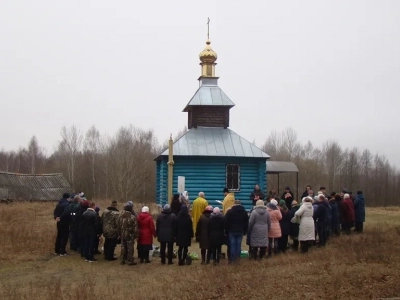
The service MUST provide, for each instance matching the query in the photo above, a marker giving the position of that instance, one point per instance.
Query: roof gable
(214, 141)
(209, 95)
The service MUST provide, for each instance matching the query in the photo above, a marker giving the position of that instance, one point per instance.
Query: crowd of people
(267, 227)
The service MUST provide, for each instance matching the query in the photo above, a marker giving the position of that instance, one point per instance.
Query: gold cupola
(208, 57)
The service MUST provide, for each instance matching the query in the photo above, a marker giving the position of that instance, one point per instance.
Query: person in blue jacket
(359, 210)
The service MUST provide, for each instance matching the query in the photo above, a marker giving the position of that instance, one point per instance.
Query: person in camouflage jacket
(110, 219)
(128, 232)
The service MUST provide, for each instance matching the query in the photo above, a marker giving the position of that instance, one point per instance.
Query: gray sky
(329, 69)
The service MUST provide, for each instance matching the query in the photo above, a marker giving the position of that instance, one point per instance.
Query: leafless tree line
(122, 166)
(335, 168)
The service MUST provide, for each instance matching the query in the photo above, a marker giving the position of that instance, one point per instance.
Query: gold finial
(208, 55)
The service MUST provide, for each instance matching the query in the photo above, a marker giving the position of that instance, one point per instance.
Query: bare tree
(33, 150)
(333, 161)
(92, 144)
(71, 144)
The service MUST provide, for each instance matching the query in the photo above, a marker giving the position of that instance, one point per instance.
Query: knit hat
(346, 196)
(97, 209)
(167, 207)
(66, 195)
(216, 210)
(209, 208)
(359, 192)
(145, 209)
(274, 202)
(260, 203)
(130, 202)
(85, 203)
(226, 190)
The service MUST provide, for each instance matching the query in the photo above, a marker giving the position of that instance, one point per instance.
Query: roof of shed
(214, 141)
(34, 186)
(277, 167)
(209, 94)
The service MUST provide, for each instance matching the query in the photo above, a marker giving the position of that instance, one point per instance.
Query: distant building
(43, 187)
(210, 155)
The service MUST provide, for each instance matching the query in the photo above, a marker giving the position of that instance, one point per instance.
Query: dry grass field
(363, 266)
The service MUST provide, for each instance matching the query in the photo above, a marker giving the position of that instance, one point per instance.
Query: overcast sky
(329, 69)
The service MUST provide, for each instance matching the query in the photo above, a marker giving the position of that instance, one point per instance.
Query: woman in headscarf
(288, 197)
(259, 226)
(275, 232)
(285, 226)
(294, 226)
(307, 229)
(306, 192)
(202, 235)
(176, 204)
(184, 234)
(146, 233)
(216, 234)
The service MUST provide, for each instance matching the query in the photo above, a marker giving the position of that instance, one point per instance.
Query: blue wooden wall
(208, 175)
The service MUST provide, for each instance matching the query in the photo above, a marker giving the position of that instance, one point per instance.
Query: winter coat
(228, 202)
(236, 220)
(79, 221)
(347, 211)
(146, 229)
(216, 235)
(62, 211)
(255, 193)
(259, 226)
(110, 222)
(199, 205)
(335, 214)
(202, 230)
(166, 227)
(99, 225)
(294, 227)
(184, 230)
(128, 227)
(328, 215)
(307, 229)
(288, 200)
(285, 222)
(176, 206)
(275, 215)
(90, 222)
(73, 212)
(321, 213)
(359, 208)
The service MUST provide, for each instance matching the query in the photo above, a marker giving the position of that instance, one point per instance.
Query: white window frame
(226, 177)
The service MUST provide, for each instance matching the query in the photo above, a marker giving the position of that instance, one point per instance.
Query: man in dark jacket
(90, 225)
(256, 195)
(236, 223)
(166, 233)
(110, 230)
(62, 216)
(359, 211)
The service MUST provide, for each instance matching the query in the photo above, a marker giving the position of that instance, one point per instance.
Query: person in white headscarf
(146, 233)
(307, 226)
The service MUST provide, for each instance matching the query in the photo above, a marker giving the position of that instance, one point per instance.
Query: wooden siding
(208, 175)
(208, 116)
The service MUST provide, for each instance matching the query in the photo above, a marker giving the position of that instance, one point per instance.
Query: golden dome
(208, 55)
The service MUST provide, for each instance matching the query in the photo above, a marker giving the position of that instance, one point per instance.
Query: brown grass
(357, 267)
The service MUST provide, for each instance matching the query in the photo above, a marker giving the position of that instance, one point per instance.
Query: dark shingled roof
(45, 187)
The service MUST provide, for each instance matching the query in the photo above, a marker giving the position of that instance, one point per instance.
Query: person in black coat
(184, 233)
(236, 223)
(176, 204)
(80, 226)
(285, 227)
(166, 233)
(256, 195)
(99, 231)
(216, 234)
(294, 227)
(90, 227)
(288, 197)
(62, 216)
